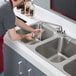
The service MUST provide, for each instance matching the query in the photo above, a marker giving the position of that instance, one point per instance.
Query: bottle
(22, 9)
(27, 8)
(32, 8)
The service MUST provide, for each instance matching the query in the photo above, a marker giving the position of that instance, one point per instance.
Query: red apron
(1, 54)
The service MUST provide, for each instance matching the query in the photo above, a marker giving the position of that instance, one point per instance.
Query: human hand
(37, 31)
(29, 36)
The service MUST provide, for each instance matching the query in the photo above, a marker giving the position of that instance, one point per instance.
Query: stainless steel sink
(69, 48)
(55, 47)
(60, 52)
(48, 49)
(59, 48)
(21, 31)
(45, 34)
(71, 68)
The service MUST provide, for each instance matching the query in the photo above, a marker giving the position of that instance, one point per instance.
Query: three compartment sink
(59, 50)
(47, 33)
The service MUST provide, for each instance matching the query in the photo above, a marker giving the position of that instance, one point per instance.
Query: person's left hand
(37, 31)
(29, 36)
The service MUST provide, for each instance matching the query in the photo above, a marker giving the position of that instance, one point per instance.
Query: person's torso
(7, 17)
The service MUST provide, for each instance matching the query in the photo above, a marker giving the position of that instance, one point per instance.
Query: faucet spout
(59, 27)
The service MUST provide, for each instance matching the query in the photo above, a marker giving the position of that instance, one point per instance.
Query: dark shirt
(7, 21)
(7, 18)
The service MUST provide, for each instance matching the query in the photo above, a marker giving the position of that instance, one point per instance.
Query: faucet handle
(60, 30)
(63, 32)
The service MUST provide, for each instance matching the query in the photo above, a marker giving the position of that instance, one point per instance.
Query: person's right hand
(29, 36)
(16, 3)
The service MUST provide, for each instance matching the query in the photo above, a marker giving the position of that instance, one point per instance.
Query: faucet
(38, 37)
(59, 27)
(40, 25)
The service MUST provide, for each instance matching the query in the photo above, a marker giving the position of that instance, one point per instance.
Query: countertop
(40, 15)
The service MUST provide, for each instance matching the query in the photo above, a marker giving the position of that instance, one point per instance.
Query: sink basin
(59, 49)
(45, 34)
(21, 31)
(48, 49)
(69, 48)
(71, 68)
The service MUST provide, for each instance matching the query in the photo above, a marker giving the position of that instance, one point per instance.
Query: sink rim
(56, 35)
(50, 42)
(66, 61)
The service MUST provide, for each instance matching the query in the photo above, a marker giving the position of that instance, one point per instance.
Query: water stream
(59, 57)
(60, 45)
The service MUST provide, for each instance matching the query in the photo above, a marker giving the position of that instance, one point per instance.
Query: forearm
(15, 36)
(22, 25)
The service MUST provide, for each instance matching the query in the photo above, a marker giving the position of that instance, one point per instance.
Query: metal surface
(19, 63)
(56, 48)
(58, 45)
(29, 72)
(71, 68)
(44, 34)
(58, 58)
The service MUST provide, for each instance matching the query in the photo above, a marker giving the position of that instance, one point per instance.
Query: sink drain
(57, 58)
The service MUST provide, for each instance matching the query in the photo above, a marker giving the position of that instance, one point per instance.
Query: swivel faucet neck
(59, 27)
